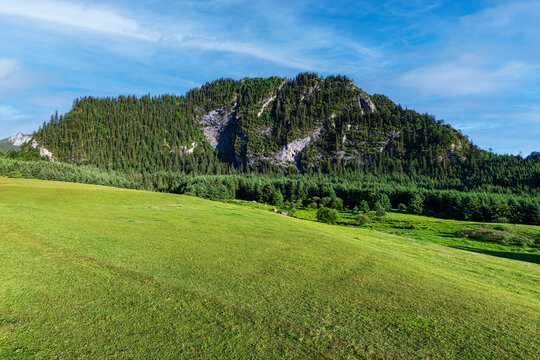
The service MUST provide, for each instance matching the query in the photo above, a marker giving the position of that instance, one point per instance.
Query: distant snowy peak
(15, 141)
(19, 139)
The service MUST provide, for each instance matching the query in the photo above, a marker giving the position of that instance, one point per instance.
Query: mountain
(309, 123)
(14, 141)
(534, 155)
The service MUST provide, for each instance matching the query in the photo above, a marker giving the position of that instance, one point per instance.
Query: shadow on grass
(532, 258)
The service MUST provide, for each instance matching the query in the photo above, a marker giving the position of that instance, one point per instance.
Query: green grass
(434, 230)
(96, 272)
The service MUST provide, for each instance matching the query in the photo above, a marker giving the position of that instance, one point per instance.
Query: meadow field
(99, 272)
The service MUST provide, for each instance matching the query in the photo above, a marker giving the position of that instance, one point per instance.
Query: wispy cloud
(489, 50)
(294, 44)
(10, 113)
(465, 76)
(410, 7)
(14, 77)
(507, 19)
(75, 15)
(7, 67)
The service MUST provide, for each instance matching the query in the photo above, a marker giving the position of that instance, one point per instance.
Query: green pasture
(104, 273)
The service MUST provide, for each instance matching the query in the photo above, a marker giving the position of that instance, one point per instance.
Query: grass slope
(96, 272)
(435, 230)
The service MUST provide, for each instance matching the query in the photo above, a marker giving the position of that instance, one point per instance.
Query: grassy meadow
(97, 272)
(435, 230)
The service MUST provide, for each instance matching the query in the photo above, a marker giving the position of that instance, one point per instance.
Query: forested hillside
(309, 123)
(325, 135)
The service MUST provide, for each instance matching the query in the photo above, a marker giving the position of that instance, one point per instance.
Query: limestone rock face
(293, 150)
(216, 123)
(219, 129)
(42, 151)
(366, 103)
(46, 153)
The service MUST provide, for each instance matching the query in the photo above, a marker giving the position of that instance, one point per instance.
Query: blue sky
(475, 64)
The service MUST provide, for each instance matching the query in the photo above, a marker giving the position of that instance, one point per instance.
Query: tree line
(367, 193)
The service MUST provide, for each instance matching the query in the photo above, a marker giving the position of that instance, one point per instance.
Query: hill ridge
(309, 123)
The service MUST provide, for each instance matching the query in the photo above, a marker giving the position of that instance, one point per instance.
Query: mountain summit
(302, 124)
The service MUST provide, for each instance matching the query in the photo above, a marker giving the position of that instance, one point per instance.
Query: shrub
(14, 174)
(416, 204)
(327, 215)
(402, 207)
(336, 203)
(364, 206)
(380, 210)
(277, 198)
(384, 201)
(497, 236)
(326, 201)
(362, 219)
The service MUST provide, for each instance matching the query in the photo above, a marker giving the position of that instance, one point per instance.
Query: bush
(402, 207)
(336, 203)
(326, 201)
(277, 198)
(497, 236)
(14, 174)
(416, 205)
(362, 219)
(327, 215)
(313, 205)
(364, 206)
(380, 211)
(384, 201)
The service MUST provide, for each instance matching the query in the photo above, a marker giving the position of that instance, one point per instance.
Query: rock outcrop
(293, 150)
(270, 99)
(43, 151)
(219, 129)
(366, 103)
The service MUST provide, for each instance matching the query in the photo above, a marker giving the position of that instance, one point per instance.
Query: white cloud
(525, 114)
(286, 42)
(515, 17)
(464, 77)
(7, 67)
(15, 78)
(410, 7)
(10, 113)
(265, 53)
(110, 22)
(75, 15)
(486, 53)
